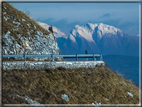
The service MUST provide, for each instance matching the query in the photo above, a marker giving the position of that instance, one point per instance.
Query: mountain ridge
(104, 38)
(98, 38)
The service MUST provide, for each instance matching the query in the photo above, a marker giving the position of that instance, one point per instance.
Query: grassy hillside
(11, 17)
(83, 86)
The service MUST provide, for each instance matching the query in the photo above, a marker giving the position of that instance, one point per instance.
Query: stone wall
(8, 65)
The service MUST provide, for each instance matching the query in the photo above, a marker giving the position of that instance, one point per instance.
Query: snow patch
(130, 94)
(27, 99)
(72, 38)
(107, 99)
(96, 104)
(16, 23)
(6, 35)
(107, 29)
(29, 25)
(6, 18)
(92, 26)
(4, 7)
(4, 12)
(15, 29)
(82, 31)
(65, 97)
(28, 33)
(23, 20)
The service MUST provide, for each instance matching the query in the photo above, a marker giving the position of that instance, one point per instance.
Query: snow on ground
(92, 26)
(23, 20)
(72, 38)
(130, 94)
(4, 7)
(96, 104)
(107, 29)
(65, 97)
(6, 18)
(82, 31)
(107, 99)
(4, 12)
(28, 100)
(28, 25)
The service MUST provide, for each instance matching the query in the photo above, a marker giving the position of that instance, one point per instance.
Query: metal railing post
(76, 58)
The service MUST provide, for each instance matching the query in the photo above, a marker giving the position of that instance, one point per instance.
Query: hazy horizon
(65, 16)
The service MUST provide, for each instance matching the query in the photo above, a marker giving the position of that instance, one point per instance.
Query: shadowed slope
(83, 86)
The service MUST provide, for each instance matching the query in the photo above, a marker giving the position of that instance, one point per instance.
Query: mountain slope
(101, 38)
(78, 86)
(22, 35)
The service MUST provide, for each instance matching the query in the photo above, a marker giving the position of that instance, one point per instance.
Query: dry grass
(14, 15)
(82, 85)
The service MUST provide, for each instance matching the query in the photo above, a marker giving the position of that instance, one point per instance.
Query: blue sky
(65, 16)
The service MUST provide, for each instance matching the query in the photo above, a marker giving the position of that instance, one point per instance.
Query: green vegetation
(82, 85)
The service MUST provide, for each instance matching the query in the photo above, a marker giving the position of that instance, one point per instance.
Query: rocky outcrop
(22, 35)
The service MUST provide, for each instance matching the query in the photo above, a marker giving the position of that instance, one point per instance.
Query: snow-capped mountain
(96, 38)
(100, 38)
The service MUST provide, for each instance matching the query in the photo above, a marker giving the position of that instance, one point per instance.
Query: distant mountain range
(96, 38)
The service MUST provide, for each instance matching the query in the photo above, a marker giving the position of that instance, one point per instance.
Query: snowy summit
(87, 30)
